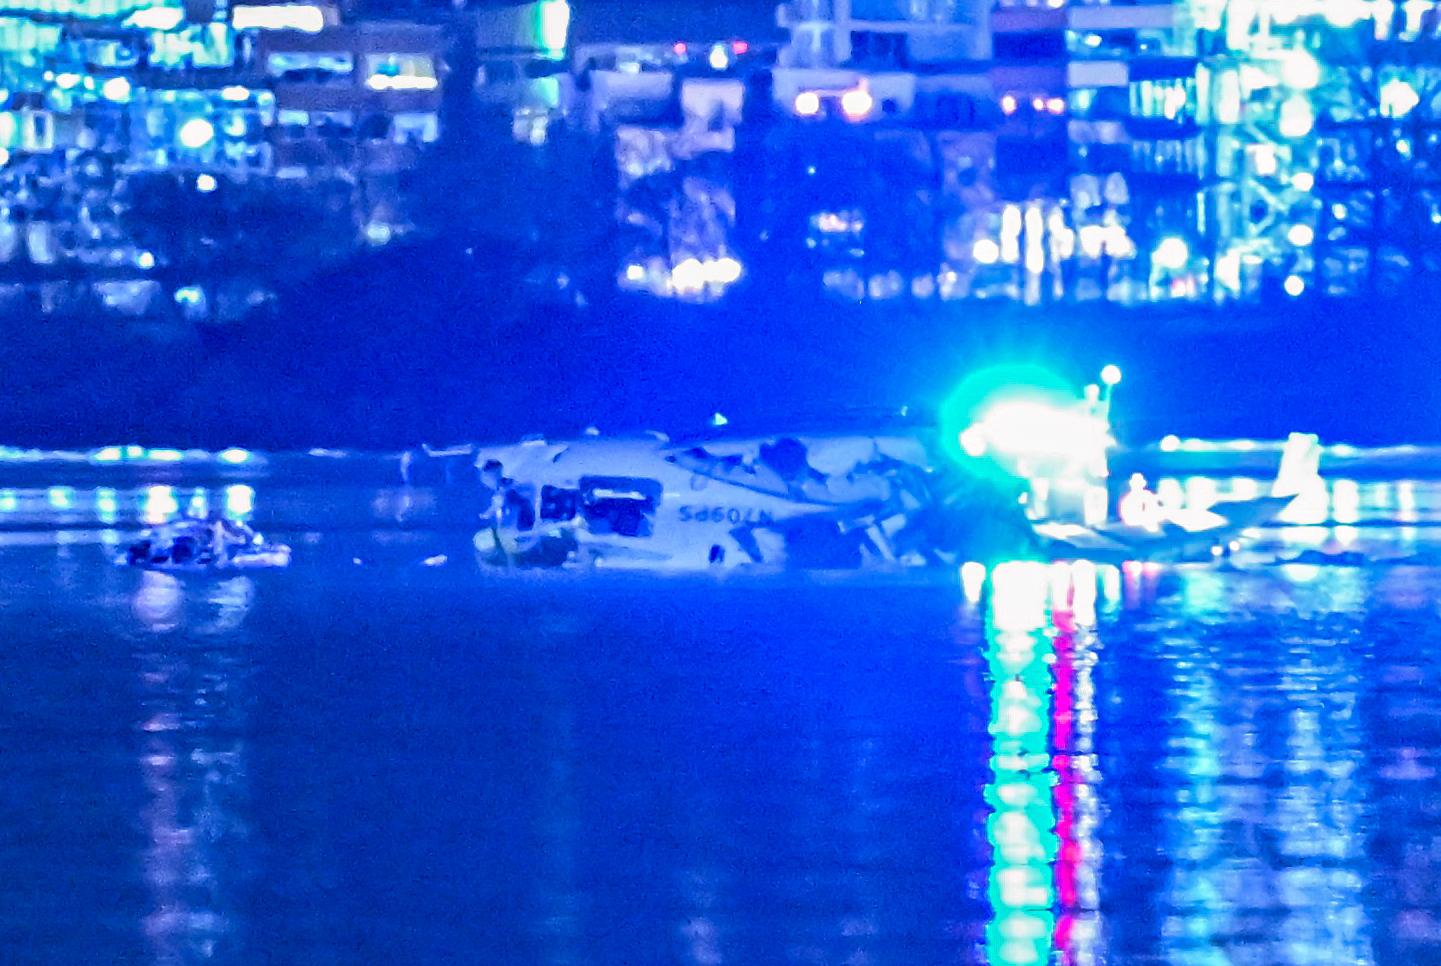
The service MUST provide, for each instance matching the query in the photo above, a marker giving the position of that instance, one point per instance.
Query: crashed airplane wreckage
(803, 501)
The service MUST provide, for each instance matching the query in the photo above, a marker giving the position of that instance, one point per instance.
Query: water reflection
(1033, 764)
(1043, 890)
(192, 760)
(1257, 766)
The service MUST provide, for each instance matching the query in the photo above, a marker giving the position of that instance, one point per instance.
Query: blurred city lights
(1297, 117)
(1172, 253)
(1398, 98)
(1299, 70)
(156, 18)
(195, 133)
(116, 89)
(986, 252)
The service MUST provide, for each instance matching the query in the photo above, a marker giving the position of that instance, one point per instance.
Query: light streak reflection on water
(1174, 764)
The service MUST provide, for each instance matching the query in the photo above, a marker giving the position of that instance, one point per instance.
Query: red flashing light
(679, 49)
(739, 47)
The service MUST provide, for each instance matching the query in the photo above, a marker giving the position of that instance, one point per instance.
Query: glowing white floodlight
(720, 57)
(808, 104)
(1111, 375)
(985, 251)
(1303, 181)
(1031, 427)
(1300, 235)
(725, 270)
(857, 104)
(688, 276)
(1171, 254)
(1295, 285)
(206, 183)
(973, 442)
(1398, 98)
(195, 133)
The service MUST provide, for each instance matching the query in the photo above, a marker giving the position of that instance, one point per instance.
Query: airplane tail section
(1300, 465)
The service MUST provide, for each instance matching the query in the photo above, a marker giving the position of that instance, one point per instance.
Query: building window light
(279, 16)
(401, 72)
(116, 89)
(1171, 254)
(195, 133)
(1398, 98)
(401, 82)
(156, 18)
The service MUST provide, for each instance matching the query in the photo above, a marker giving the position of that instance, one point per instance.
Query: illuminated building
(666, 81)
(1199, 150)
(522, 67)
(100, 92)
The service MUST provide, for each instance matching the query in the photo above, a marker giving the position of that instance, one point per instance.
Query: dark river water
(365, 759)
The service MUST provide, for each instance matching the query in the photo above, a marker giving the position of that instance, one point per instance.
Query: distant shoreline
(420, 348)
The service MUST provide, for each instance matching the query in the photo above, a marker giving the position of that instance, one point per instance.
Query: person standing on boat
(1139, 506)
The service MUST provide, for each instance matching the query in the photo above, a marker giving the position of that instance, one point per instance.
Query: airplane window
(558, 503)
(519, 508)
(619, 504)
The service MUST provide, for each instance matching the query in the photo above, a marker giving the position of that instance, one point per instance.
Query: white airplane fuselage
(647, 503)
